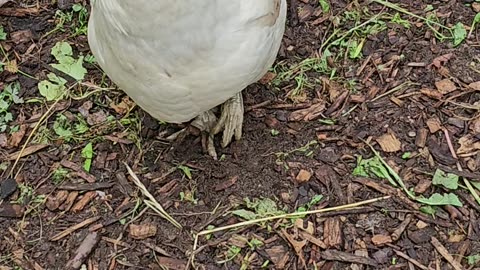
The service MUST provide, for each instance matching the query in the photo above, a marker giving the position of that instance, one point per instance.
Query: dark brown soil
(359, 102)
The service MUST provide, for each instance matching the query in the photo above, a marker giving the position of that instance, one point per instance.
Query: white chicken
(179, 59)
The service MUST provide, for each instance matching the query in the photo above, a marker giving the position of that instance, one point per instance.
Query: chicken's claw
(231, 122)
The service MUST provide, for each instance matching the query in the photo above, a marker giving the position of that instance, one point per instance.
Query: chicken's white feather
(179, 58)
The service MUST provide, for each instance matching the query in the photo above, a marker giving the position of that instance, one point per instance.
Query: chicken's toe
(231, 120)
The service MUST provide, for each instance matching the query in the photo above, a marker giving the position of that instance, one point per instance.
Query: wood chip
(11, 210)
(267, 78)
(421, 225)
(142, 231)
(310, 238)
(171, 264)
(357, 98)
(83, 251)
(18, 12)
(444, 252)
(431, 93)
(226, 184)
(86, 199)
(157, 249)
(335, 255)
(303, 176)
(411, 260)
(434, 125)
(238, 240)
(381, 240)
(86, 187)
(72, 196)
(389, 142)
(79, 171)
(74, 228)
(397, 101)
(332, 233)
(28, 151)
(423, 185)
(54, 202)
(116, 242)
(421, 139)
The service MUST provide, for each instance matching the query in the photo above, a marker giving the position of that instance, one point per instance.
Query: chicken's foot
(231, 122)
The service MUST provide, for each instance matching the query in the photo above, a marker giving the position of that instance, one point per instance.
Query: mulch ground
(350, 78)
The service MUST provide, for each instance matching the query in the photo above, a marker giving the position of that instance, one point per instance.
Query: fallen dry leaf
(310, 229)
(476, 7)
(297, 245)
(456, 238)
(334, 89)
(389, 142)
(308, 114)
(441, 60)
(17, 137)
(85, 108)
(238, 240)
(96, 118)
(124, 106)
(475, 86)
(279, 256)
(21, 36)
(445, 86)
(11, 66)
(3, 140)
(468, 144)
(472, 164)
(475, 126)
